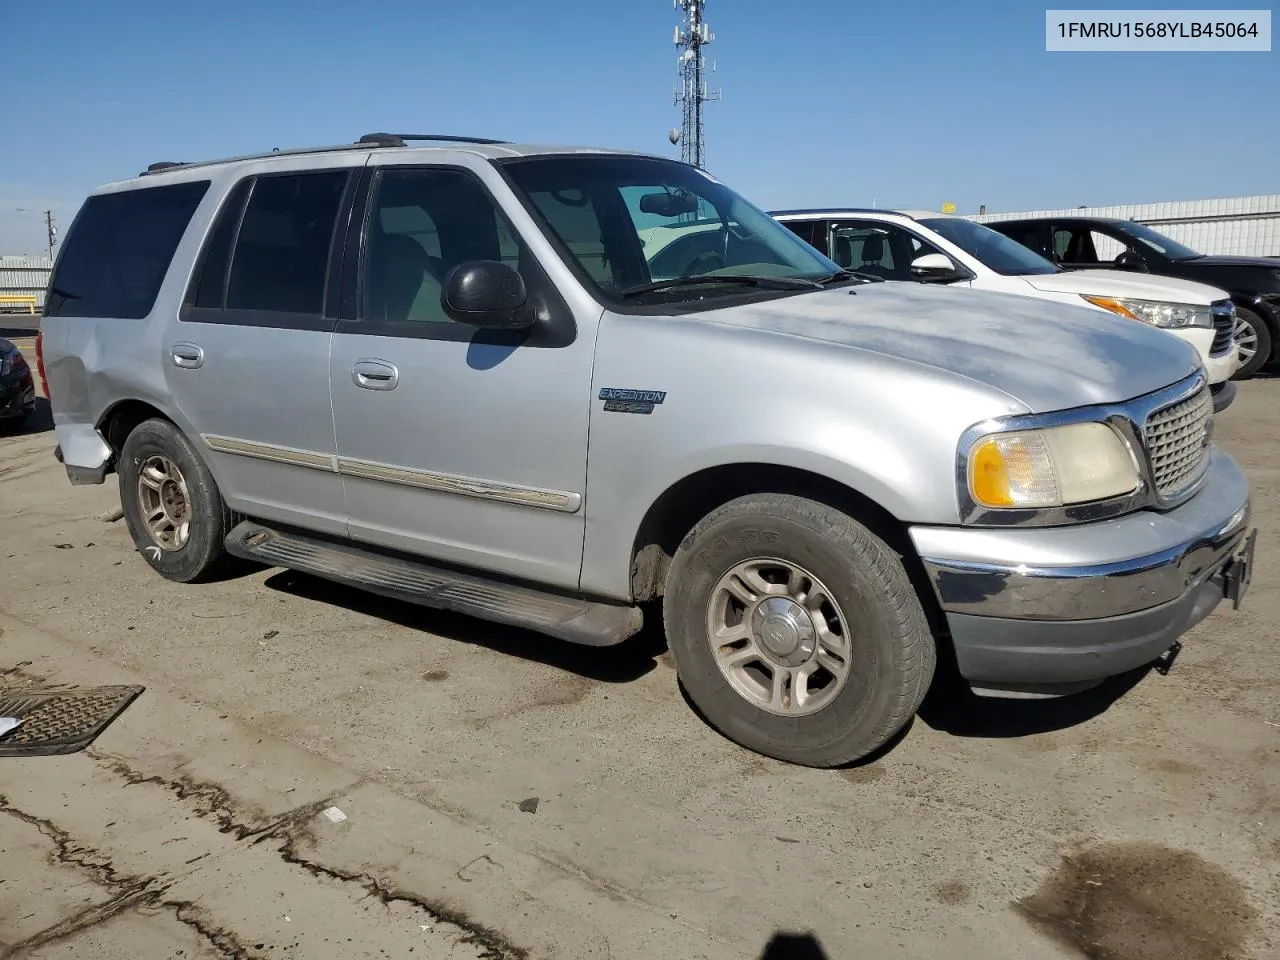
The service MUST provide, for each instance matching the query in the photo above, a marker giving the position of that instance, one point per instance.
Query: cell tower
(692, 92)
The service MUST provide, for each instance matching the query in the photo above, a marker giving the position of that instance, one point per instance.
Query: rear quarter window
(118, 251)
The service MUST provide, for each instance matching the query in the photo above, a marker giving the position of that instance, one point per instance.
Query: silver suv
(546, 386)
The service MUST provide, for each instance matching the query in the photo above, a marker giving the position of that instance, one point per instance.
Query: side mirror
(486, 293)
(1130, 261)
(935, 268)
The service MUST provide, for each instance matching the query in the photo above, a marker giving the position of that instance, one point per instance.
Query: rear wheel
(172, 506)
(796, 631)
(1254, 337)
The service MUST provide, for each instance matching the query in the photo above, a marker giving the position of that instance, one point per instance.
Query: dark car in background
(17, 388)
(1082, 242)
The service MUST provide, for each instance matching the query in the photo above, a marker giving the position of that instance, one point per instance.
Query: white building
(1243, 226)
(24, 276)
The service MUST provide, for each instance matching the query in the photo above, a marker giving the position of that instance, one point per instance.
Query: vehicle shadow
(39, 422)
(9, 331)
(624, 663)
(793, 946)
(952, 707)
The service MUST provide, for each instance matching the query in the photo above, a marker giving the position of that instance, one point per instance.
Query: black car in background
(17, 389)
(1081, 242)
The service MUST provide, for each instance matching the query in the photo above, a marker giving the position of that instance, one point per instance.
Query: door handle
(375, 374)
(189, 356)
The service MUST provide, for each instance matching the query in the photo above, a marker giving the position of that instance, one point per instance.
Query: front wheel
(1254, 337)
(796, 631)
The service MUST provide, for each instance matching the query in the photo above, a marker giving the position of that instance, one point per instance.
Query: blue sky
(825, 101)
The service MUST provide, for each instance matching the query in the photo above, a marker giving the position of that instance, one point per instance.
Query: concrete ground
(1138, 822)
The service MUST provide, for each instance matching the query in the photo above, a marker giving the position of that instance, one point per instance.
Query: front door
(459, 444)
(248, 366)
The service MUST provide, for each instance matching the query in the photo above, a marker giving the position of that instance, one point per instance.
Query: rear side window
(211, 287)
(281, 254)
(119, 249)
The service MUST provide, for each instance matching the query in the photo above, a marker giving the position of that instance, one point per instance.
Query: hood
(1266, 263)
(1047, 355)
(1118, 283)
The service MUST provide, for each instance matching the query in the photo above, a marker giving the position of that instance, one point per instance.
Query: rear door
(248, 363)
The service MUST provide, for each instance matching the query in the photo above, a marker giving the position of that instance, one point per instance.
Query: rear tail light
(44, 380)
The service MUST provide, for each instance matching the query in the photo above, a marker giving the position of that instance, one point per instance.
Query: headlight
(7, 362)
(1050, 467)
(1156, 312)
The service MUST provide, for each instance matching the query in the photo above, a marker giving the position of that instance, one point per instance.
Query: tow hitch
(1164, 664)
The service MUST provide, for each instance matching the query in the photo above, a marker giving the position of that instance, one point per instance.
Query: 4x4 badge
(617, 400)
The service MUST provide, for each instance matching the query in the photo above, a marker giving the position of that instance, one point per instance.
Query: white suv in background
(930, 247)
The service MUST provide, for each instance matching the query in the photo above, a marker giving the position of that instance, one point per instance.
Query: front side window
(119, 249)
(281, 257)
(1166, 246)
(422, 224)
(1086, 246)
(625, 223)
(878, 249)
(994, 250)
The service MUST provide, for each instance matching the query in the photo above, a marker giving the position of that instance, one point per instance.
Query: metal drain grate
(60, 721)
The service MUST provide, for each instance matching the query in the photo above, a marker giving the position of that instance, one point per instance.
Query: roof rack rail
(368, 141)
(401, 139)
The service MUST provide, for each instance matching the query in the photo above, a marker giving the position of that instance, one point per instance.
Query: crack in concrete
(215, 804)
(221, 939)
(130, 891)
(83, 919)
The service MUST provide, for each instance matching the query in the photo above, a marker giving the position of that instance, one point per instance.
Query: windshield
(622, 222)
(1158, 241)
(994, 250)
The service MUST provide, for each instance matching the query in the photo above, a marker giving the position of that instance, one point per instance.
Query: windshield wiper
(766, 283)
(843, 274)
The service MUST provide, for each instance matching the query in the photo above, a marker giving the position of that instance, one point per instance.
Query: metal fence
(20, 279)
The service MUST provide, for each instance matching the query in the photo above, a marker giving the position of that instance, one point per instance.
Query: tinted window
(282, 252)
(1028, 236)
(212, 282)
(425, 223)
(118, 250)
(807, 230)
(1158, 241)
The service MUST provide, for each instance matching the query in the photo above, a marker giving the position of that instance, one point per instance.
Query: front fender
(883, 428)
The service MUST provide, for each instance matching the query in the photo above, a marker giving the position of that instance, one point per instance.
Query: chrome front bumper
(1072, 604)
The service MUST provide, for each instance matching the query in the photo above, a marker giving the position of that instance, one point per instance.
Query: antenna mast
(692, 91)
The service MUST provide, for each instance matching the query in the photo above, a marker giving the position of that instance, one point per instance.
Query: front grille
(1177, 439)
(1224, 328)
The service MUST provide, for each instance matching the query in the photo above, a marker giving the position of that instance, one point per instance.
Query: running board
(573, 619)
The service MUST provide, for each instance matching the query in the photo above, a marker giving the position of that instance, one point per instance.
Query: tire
(889, 654)
(1263, 334)
(200, 556)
